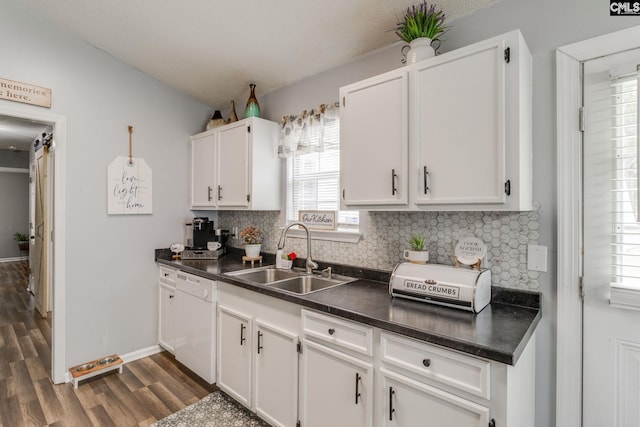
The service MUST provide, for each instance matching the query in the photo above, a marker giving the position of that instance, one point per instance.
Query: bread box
(458, 287)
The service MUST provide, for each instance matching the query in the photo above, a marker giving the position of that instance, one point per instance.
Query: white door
(611, 352)
(276, 375)
(233, 166)
(40, 266)
(374, 140)
(460, 121)
(234, 354)
(409, 403)
(337, 389)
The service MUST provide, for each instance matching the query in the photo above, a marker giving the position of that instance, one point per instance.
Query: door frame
(569, 60)
(58, 255)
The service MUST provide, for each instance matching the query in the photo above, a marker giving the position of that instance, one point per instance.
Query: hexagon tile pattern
(387, 235)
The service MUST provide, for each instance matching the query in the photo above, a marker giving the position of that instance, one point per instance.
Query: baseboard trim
(14, 259)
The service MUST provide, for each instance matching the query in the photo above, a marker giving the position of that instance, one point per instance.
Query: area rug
(215, 410)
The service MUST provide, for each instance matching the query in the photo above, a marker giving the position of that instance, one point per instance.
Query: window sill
(334, 236)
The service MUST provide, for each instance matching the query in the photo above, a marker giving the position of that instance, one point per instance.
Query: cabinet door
(166, 333)
(203, 170)
(234, 354)
(234, 166)
(276, 375)
(409, 403)
(460, 127)
(374, 141)
(336, 389)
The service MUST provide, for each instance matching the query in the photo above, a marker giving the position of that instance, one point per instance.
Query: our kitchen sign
(129, 186)
(318, 220)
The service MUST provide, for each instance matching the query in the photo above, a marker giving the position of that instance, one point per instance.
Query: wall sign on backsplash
(318, 220)
(129, 186)
(25, 93)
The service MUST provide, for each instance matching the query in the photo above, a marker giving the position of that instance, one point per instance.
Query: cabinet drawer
(456, 370)
(167, 274)
(342, 333)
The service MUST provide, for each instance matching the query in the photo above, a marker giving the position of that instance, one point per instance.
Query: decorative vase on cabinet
(233, 117)
(420, 49)
(253, 108)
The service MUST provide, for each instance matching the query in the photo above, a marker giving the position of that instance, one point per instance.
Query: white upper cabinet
(374, 141)
(203, 154)
(236, 166)
(468, 126)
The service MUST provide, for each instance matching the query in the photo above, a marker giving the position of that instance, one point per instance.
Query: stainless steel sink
(295, 281)
(306, 284)
(264, 275)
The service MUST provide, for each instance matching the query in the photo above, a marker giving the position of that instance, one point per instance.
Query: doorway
(571, 288)
(57, 209)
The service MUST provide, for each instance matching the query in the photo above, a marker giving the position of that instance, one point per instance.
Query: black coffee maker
(199, 232)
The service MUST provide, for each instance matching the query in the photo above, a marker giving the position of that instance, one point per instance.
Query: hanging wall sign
(318, 220)
(25, 93)
(129, 186)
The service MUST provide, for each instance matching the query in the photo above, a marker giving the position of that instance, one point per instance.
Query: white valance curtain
(310, 130)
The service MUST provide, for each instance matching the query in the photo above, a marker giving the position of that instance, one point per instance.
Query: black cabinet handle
(171, 296)
(242, 338)
(331, 331)
(259, 341)
(426, 362)
(394, 190)
(357, 387)
(209, 193)
(391, 410)
(426, 182)
(219, 192)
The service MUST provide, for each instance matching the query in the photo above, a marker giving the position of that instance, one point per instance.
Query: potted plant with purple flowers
(419, 27)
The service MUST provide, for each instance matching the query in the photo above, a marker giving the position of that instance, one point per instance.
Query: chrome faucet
(310, 264)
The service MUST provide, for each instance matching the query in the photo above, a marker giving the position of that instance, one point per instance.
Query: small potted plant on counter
(252, 237)
(417, 254)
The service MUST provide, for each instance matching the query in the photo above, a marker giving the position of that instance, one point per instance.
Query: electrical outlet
(537, 258)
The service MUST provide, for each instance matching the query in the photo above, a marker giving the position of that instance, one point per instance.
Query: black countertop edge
(508, 299)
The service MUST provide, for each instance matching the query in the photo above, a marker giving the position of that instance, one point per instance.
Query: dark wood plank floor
(148, 389)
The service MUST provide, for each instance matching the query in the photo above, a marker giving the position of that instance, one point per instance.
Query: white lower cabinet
(235, 354)
(409, 403)
(258, 353)
(336, 389)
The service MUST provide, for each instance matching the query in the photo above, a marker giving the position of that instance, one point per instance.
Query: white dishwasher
(195, 317)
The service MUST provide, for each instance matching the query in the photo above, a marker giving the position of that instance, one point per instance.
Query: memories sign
(25, 93)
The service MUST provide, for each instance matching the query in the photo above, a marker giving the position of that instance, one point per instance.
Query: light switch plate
(537, 258)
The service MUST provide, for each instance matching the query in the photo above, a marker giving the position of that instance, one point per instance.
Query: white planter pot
(420, 49)
(252, 250)
(417, 257)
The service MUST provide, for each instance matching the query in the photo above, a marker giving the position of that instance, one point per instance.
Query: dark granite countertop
(499, 332)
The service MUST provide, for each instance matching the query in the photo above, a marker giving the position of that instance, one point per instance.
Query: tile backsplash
(387, 235)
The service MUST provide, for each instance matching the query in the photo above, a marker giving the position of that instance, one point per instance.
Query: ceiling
(212, 49)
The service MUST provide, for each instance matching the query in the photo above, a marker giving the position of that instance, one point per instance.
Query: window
(625, 236)
(311, 143)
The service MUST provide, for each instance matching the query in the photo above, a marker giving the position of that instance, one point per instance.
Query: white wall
(110, 287)
(546, 25)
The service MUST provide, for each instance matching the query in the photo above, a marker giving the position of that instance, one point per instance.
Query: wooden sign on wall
(318, 220)
(25, 93)
(129, 186)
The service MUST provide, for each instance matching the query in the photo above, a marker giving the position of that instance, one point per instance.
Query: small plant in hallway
(23, 241)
